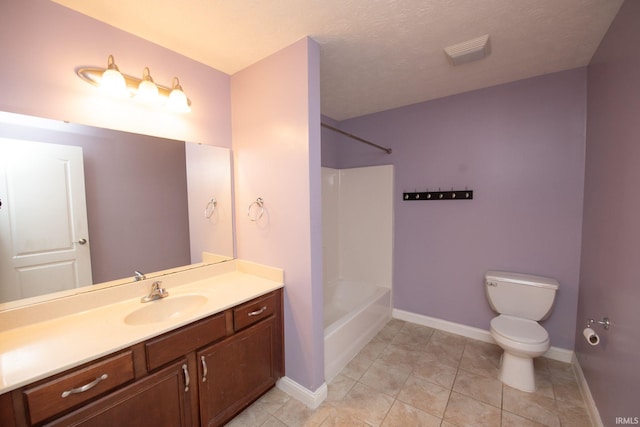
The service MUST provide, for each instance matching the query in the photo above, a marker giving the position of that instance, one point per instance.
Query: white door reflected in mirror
(44, 240)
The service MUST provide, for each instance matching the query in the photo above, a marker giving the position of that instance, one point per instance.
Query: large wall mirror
(82, 206)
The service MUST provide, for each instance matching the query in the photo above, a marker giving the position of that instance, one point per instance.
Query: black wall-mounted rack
(439, 195)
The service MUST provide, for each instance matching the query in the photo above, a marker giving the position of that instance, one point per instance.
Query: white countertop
(31, 352)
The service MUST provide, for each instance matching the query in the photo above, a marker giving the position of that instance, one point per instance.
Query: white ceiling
(375, 54)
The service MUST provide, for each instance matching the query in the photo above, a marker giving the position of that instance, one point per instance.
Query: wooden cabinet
(81, 385)
(226, 387)
(176, 344)
(236, 371)
(201, 374)
(160, 400)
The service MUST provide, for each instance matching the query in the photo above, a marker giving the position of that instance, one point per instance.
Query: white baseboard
(555, 353)
(592, 410)
(312, 399)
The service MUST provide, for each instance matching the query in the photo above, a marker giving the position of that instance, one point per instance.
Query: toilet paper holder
(605, 322)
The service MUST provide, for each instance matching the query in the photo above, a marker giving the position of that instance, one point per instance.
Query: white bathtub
(354, 313)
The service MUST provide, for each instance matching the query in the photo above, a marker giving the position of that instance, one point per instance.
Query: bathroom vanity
(214, 351)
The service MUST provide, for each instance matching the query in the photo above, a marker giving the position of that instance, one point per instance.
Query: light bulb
(147, 89)
(177, 99)
(112, 81)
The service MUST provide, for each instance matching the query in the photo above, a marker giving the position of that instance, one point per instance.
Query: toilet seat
(520, 330)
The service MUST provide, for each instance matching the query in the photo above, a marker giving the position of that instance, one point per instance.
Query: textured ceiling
(375, 54)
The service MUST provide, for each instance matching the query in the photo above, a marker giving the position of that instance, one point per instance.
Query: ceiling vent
(468, 51)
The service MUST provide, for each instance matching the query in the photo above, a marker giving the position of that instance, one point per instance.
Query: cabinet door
(159, 400)
(234, 372)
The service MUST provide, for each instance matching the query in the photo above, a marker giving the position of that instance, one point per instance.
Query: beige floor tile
(434, 375)
(573, 415)
(403, 415)
(366, 404)
(406, 342)
(447, 353)
(513, 420)
(419, 330)
(342, 420)
(424, 395)
(543, 383)
(452, 345)
(338, 388)
(296, 414)
(390, 330)
(568, 392)
(464, 411)
(530, 406)
(560, 372)
(373, 349)
(479, 362)
(436, 372)
(385, 378)
(357, 366)
(484, 389)
(483, 349)
(254, 415)
(448, 338)
(400, 357)
(273, 422)
(412, 336)
(261, 410)
(273, 400)
(541, 366)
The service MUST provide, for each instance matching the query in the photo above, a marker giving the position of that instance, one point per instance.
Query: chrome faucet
(139, 276)
(156, 292)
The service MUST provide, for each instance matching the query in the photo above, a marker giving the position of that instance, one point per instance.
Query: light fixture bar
(93, 75)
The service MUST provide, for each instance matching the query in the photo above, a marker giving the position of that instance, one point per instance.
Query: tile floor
(411, 375)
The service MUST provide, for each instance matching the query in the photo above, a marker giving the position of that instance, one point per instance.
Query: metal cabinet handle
(85, 387)
(204, 368)
(186, 377)
(81, 241)
(257, 312)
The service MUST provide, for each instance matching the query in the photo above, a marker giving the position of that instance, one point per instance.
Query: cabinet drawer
(253, 311)
(58, 395)
(173, 345)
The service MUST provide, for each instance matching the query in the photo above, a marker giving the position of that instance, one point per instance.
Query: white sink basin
(164, 309)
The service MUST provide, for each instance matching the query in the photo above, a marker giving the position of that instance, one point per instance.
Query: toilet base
(517, 372)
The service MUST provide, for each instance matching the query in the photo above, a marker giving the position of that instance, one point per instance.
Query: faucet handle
(156, 292)
(157, 288)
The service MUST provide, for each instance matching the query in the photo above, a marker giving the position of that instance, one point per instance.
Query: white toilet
(521, 301)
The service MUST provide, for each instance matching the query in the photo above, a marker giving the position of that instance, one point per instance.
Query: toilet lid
(522, 330)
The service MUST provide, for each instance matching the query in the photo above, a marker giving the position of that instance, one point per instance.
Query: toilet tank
(520, 295)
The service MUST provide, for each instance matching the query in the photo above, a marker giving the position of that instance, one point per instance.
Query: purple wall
(609, 277)
(37, 35)
(520, 147)
(276, 144)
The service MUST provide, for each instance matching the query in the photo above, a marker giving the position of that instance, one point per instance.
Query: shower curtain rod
(357, 138)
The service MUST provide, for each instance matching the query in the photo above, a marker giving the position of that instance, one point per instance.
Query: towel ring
(210, 208)
(259, 210)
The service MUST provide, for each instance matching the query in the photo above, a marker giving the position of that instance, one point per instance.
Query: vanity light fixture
(144, 89)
